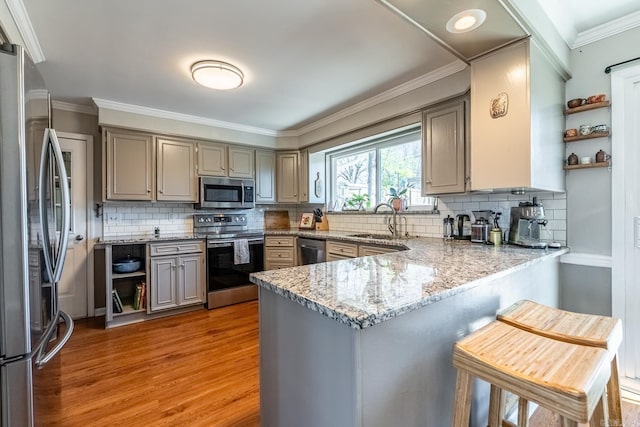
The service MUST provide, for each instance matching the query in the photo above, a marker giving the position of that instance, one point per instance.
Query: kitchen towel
(241, 251)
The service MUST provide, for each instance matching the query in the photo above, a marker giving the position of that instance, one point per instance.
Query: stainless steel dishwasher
(311, 251)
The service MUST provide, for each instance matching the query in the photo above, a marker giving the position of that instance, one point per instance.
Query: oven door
(227, 281)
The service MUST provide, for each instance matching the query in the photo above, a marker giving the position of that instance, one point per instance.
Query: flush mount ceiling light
(467, 20)
(217, 75)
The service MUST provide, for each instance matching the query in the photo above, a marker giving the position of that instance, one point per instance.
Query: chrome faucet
(393, 228)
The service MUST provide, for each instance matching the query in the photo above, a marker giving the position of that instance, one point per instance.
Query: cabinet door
(303, 176)
(240, 162)
(177, 180)
(287, 170)
(190, 279)
(265, 176)
(444, 149)
(129, 165)
(212, 159)
(163, 293)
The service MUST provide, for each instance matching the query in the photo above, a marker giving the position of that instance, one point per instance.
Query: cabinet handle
(232, 169)
(161, 192)
(279, 255)
(258, 194)
(427, 181)
(295, 195)
(148, 190)
(182, 266)
(173, 267)
(222, 168)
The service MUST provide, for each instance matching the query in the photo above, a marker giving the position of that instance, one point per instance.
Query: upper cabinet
(516, 116)
(212, 159)
(241, 162)
(265, 176)
(444, 147)
(176, 178)
(222, 160)
(303, 176)
(288, 179)
(128, 165)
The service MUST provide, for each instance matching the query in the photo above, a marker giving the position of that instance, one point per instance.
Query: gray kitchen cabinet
(176, 175)
(177, 280)
(128, 165)
(265, 176)
(124, 285)
(287, 176)
(279, 252)
(444, 147)
(212, 159)
(517, 99)
(303, 176)
(240, 162)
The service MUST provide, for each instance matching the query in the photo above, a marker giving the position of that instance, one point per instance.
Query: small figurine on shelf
(573, 159)
(601, 157)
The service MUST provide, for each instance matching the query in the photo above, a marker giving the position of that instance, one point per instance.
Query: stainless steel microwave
(226, 193)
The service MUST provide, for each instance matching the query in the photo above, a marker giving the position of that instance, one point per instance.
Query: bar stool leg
(599, 417)
(523, 412)
(566, 422)
(462, 403)
(613, 393)
(496, 406)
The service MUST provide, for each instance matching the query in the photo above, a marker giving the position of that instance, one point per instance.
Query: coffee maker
(524, 227)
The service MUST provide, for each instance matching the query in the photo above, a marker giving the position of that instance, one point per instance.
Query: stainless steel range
(233, 252)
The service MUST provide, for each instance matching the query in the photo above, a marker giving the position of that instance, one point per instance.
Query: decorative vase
(398, 204)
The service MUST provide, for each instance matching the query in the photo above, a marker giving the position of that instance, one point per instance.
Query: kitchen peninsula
(368, 341)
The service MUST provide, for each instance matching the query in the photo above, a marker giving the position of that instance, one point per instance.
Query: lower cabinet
(279, 252)
(341, 250)
(176, 280)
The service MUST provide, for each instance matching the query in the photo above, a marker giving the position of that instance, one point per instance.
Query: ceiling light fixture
(217, 75)
(467, 20)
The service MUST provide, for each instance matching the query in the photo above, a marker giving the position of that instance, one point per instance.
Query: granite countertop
(146, 238)
(362, 292)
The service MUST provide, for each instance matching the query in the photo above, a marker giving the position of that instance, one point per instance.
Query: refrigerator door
(17, 402)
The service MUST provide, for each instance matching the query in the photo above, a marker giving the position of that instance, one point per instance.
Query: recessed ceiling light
(467, 20)
(217, 75)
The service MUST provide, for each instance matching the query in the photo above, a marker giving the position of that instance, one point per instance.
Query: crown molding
(607, 30)
(23, 23)
(74, 108)
(163, 114)
(402, 89)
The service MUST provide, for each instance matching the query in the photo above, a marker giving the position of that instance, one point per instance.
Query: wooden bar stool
(567, 379)
(576, 328)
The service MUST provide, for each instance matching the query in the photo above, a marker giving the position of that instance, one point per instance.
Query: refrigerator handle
(42, 207)
(43, 358)
(54, 266)
(66, 207)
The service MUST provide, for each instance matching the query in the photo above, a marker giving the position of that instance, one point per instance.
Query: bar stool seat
(565, 378)
(576, 328)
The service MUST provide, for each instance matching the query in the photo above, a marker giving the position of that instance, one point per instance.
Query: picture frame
(307, 221)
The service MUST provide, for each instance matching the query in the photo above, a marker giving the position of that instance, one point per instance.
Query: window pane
(400, 168)
(355, 174)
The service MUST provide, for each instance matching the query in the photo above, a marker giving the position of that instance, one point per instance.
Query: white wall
(589, 191)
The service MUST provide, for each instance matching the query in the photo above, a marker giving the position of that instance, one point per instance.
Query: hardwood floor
(196, 369)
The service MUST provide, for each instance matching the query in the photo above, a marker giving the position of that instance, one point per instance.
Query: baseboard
(589, 260)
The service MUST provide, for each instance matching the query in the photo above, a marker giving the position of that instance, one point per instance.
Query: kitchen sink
(373, 236)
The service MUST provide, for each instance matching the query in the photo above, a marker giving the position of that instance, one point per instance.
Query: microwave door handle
(242, 200)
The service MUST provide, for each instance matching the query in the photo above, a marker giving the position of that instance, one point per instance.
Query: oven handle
(227, 243)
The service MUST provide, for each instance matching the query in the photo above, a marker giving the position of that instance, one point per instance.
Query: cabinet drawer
(156, 249)
(364, 250)
(342, 249)
(285, 254)
(288, 241)
(277, 265)
(334, 257)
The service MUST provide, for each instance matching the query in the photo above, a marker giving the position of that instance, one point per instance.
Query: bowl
(126, 265)
(573, 103)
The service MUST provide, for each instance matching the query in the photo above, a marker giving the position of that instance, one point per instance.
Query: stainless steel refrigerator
(34, 224)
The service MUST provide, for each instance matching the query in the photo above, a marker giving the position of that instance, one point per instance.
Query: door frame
(91, 223)
(623, 201)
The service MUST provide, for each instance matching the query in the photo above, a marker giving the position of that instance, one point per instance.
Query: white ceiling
(303, 60)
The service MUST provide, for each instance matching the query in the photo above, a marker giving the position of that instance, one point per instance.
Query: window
(363, 173)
